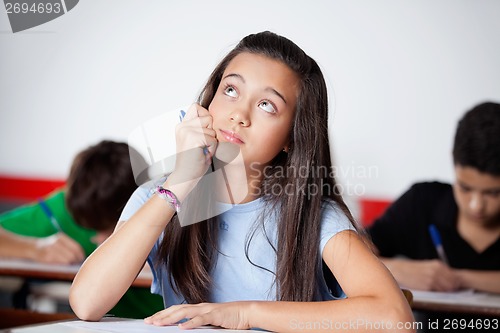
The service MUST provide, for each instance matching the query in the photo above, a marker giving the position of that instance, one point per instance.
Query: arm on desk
(434, 275)
(55, 249)
(488, 281)
(423, 274)
(110, 270)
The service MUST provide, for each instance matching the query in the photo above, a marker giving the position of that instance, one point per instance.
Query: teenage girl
(262, 262)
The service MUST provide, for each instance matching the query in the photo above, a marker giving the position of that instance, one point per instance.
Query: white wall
(400, 74)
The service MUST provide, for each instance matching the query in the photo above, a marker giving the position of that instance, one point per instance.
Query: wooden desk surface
(465, 302)
(28, 269)
(17, 317)
(456, 308)
(461, 302)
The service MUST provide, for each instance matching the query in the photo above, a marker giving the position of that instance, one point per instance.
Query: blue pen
(182, 113)
(436, 239)
(49, 214)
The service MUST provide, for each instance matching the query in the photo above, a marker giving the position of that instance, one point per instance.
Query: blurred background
(400, 74)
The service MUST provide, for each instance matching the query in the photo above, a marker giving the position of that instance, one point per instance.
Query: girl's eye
(267, 106)
(230, 91)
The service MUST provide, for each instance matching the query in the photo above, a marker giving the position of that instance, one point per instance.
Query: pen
(49, 214)
(436, 239)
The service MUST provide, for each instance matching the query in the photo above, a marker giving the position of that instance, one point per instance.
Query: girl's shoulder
(329, 206)
(333, 221)
(138, 198)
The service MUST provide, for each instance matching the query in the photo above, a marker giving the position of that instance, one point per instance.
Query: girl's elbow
(401, 317)
(82, 306)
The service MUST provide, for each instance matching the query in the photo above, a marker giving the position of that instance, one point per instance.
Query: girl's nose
(241, 117)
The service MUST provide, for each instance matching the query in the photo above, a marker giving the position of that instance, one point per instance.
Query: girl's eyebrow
(269, 89)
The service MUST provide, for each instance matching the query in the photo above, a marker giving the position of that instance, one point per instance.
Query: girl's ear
(285, 149)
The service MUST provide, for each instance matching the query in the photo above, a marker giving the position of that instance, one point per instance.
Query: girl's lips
(231, 137)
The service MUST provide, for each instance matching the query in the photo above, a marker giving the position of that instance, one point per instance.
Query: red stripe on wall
(371, 209)
(17, 188)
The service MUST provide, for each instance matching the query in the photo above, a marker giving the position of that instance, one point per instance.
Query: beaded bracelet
(169, 197)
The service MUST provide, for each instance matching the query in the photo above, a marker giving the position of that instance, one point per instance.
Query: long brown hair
(189, 252)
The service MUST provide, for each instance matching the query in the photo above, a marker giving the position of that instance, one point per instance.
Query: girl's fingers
(208, 141)
(198, 126)
(191, 113)
(199, 320)
(198, 122)
(176, 313)
(229, 315)
(195, 111)
(206, 121)
(195, 144)
(209, 133)
(166, 318)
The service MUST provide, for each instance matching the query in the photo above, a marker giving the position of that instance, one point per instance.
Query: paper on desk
(132, 326)
(463, 297)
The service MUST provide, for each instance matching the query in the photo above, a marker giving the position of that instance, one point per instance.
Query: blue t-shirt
(234, 277)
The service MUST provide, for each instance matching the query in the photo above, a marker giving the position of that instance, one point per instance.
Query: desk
(465, 302)
(118, 325)
(29, 269)
(15, 317)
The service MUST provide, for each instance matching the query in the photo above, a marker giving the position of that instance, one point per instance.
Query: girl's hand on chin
(231, 315)
(195, 144)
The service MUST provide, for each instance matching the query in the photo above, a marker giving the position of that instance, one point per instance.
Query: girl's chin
(227, 152)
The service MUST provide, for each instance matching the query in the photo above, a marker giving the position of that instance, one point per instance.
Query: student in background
(85, 211)
(68, 224)
(466, 216)
(260, 263)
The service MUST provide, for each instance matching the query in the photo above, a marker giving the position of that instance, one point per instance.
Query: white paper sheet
(464, 297)
(132, 326)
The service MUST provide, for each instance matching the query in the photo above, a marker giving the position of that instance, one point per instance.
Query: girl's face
(254, 107)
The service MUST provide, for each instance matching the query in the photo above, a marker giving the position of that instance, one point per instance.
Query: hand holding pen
(49, 214)
(58, 248)
(195, 145)
(438, 244)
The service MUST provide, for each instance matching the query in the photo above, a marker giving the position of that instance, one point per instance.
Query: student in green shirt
(99, 184)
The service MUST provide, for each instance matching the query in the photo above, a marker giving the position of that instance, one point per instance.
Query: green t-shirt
(31, 220)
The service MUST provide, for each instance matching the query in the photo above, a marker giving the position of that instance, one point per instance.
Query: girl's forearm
(107, 274)
(360, 314)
